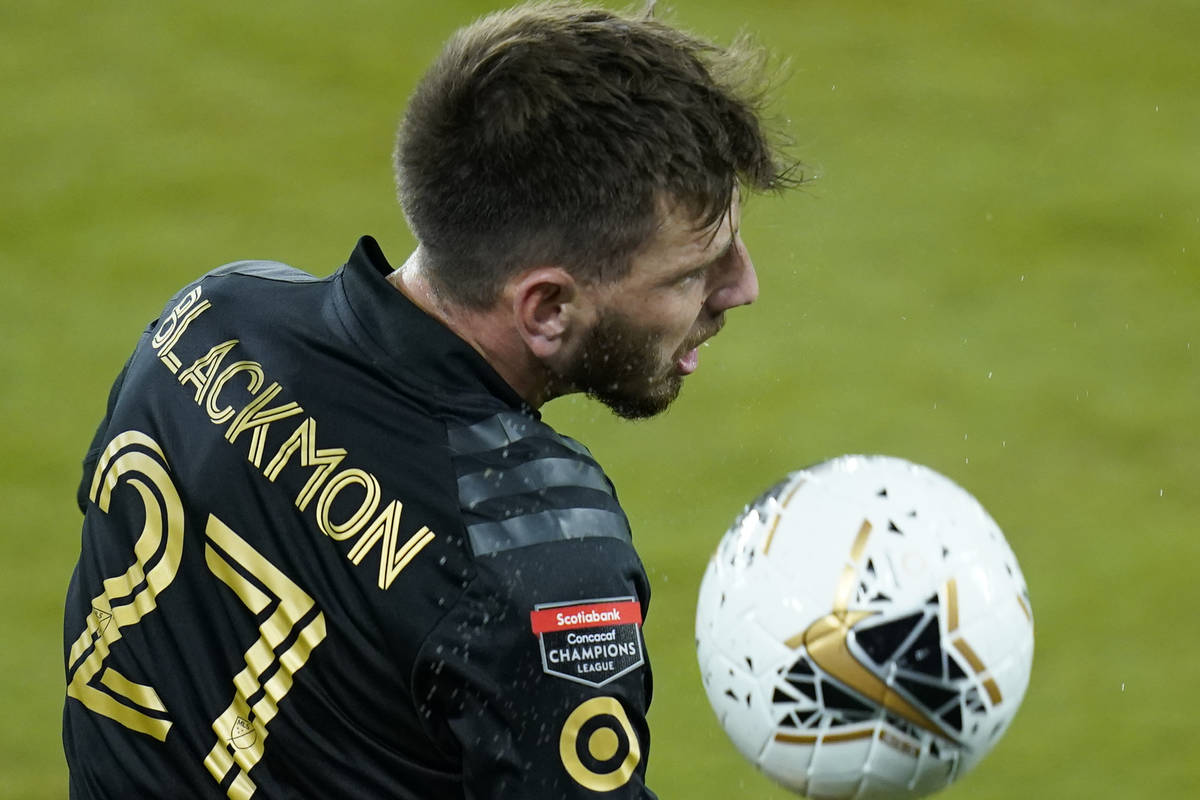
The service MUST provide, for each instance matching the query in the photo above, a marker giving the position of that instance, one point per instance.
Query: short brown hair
(548, 134)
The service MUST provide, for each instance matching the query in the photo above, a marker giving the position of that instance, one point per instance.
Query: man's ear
(546, 304)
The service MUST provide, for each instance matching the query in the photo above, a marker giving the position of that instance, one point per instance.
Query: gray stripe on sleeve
(531, 476)
(503, 429)
(547, 526)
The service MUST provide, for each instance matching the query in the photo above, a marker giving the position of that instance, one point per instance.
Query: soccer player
(329, 547)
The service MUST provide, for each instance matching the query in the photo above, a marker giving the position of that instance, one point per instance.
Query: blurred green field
(996, 275)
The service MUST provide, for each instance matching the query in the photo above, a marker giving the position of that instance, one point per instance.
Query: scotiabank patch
(592, 642)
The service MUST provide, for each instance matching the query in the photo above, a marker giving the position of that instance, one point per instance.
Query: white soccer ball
(864, 631)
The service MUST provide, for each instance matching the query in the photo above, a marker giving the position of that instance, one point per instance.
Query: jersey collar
(406, 339)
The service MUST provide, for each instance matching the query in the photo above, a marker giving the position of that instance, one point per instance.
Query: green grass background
(996, 275)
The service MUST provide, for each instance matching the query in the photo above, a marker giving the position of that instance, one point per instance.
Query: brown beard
(620, 366)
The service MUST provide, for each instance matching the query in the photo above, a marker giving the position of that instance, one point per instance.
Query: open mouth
(687, 363)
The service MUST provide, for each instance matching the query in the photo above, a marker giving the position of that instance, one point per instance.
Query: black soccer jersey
(328, 552)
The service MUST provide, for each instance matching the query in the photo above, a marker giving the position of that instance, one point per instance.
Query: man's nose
(738, 283)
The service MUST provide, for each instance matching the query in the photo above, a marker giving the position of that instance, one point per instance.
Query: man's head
(583, 139)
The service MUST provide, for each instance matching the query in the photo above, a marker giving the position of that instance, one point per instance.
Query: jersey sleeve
(538, 678)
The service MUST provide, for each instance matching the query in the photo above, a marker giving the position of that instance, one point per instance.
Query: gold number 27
(292, 616)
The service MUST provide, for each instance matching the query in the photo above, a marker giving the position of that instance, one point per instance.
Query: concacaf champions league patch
(591, 642)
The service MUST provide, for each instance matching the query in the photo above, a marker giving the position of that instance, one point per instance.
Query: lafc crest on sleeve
(591, 642)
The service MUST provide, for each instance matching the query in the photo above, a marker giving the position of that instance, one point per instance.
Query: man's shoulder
(521, 483)
(236, 285)
(264, 270)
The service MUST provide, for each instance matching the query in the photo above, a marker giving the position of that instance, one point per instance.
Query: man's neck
(489, 331)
